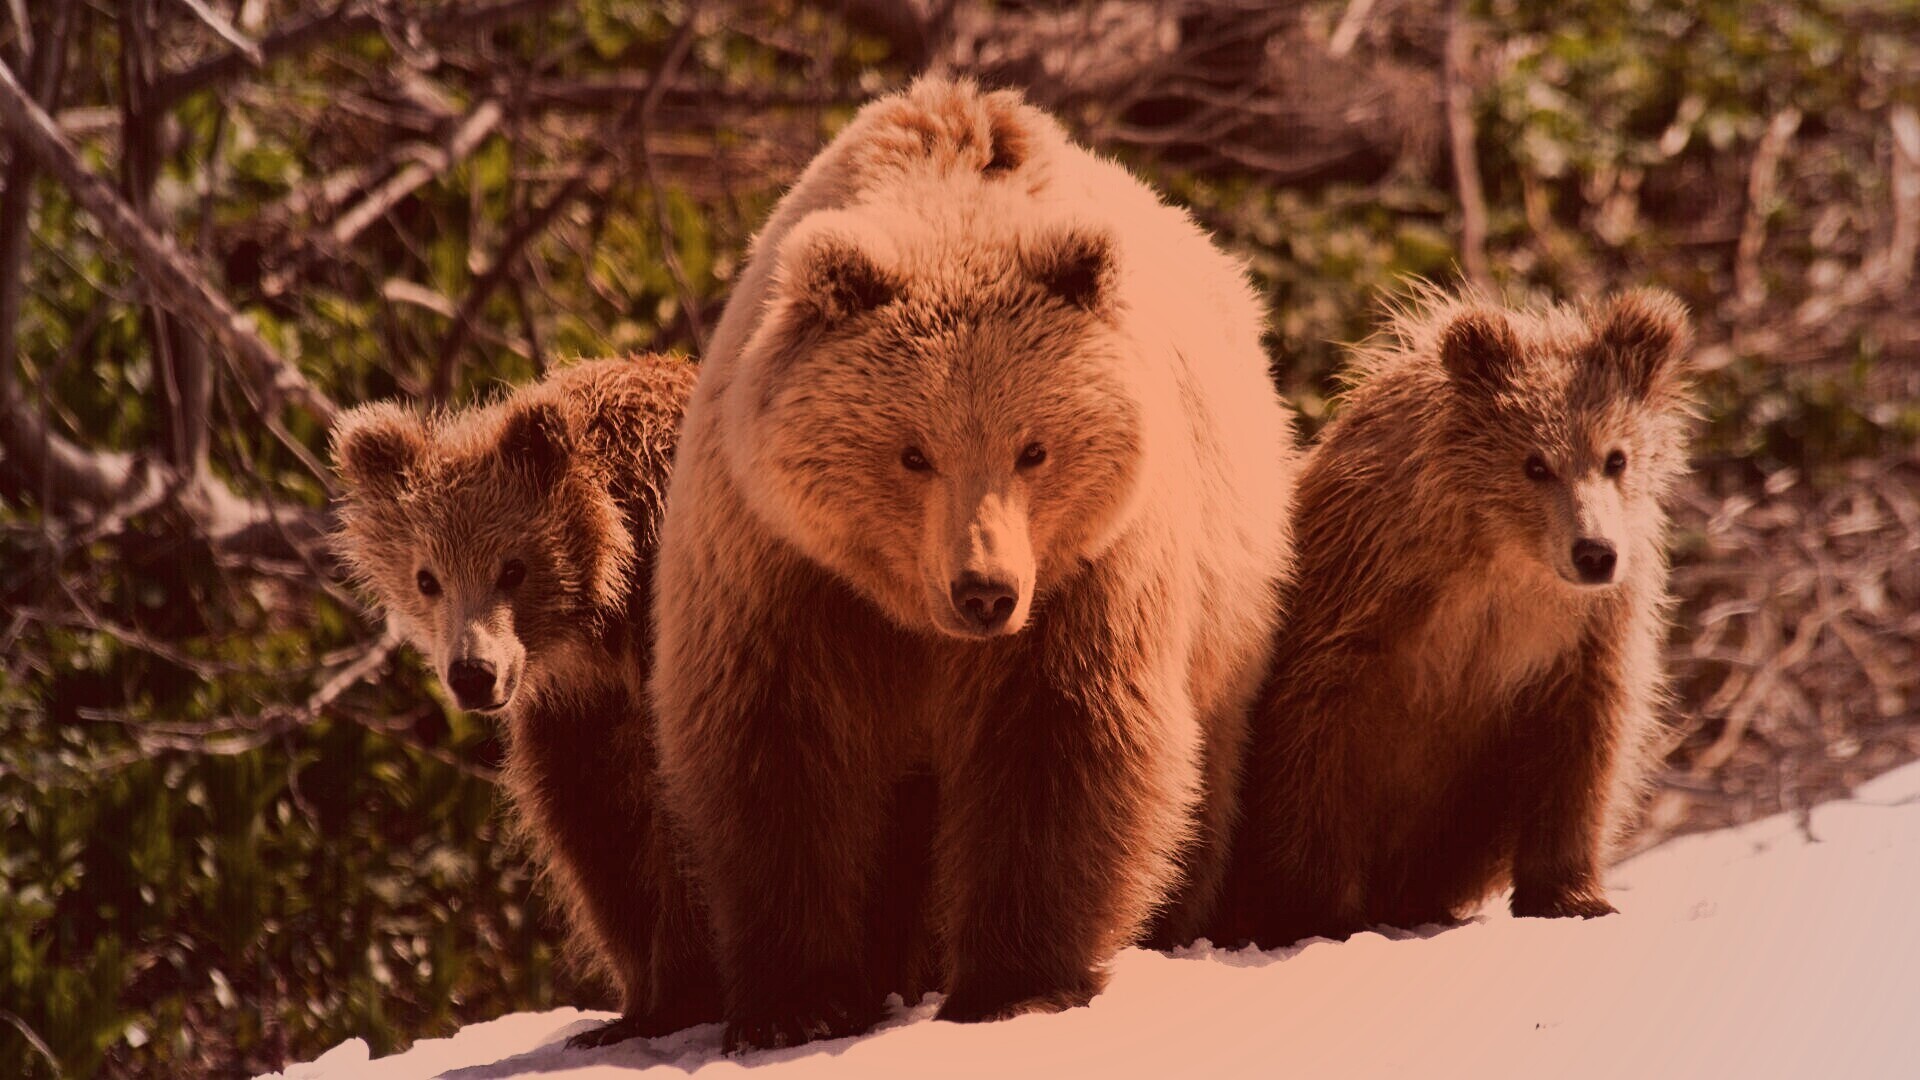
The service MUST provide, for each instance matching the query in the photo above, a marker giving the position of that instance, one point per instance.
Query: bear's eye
(1616, 463)
(512, 574)
(1033, 455)
(1537, 468)
(914, 460)
(429, 585)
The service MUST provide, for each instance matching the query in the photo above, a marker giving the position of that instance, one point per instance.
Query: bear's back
(626, 412)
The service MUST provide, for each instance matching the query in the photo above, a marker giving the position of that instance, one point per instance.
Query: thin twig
(33, 1039)
(23, 24)
(1750, 287)
(669, 240)
(1461, 139)
(229, 33)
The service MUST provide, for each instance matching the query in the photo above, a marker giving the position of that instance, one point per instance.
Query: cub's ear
(1077, 265)
(536, 441)
(832, 270)
(1644, 334)
(376, 446)
(1478, 349)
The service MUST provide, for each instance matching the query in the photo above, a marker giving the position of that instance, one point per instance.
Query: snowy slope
(1764, 951)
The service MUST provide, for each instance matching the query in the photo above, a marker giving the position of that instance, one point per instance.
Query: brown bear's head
(942, 407)
(488, 541)
(1571, 426)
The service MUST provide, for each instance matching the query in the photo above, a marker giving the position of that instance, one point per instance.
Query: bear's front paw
(643, 1025)
(614, 1031)
(822, 1018)
(979, 1001)
(1560, 904)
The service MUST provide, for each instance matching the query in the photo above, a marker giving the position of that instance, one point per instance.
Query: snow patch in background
(1785, 948)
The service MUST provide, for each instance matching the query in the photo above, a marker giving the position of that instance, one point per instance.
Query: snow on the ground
(1780, 949)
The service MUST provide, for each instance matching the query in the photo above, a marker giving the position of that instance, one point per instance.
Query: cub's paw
(824, 1018)
(983, 1001)
(1560, 904)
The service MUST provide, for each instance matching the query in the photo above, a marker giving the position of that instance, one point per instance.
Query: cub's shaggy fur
(1466, 682)
(968, 575)
(513, 545)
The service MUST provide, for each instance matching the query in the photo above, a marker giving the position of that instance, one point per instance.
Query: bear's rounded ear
(376, 446)
(1077, 265)
(1006, 132)
(1478, 349)
(1644, 335)
(831, 272)
(536, 441)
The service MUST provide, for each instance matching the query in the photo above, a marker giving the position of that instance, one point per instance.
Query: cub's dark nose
(983, 603)
(1594, 560)
(471, 682)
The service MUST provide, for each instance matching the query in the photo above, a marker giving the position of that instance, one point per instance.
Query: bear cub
(1466, 685)
(512, 543)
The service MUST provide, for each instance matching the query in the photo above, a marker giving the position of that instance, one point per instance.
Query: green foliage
(179, 911)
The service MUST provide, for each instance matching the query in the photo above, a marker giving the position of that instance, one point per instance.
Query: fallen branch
(163, 267)
(239, 735)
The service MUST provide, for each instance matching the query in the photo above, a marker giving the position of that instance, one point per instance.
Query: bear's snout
(1594, 560)
(472, 682)
(985, 605)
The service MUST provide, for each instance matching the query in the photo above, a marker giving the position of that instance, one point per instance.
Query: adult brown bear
(985, 480)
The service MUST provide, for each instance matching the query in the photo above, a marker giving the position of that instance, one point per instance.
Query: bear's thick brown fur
(1467, 682)
(969, 572)
(513, 544)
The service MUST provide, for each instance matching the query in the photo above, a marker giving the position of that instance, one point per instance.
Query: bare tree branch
(1351, 23)
(429, 163)
(163, 267)
(218, 23)
(534, 224)
(348, 18)
(1903, 121)
(18, 9)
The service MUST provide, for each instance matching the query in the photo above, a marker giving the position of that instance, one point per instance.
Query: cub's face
(1572, 440)
(950, 439)
(477, 538)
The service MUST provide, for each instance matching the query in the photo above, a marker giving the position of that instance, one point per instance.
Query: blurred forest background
(240, 826)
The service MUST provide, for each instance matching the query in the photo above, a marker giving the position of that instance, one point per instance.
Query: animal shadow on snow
(700, 1045)
(1250, 957)
(687, 1050)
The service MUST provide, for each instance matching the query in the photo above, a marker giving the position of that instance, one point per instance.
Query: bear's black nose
(472, 683)
(1594, 559)
(983, 603)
